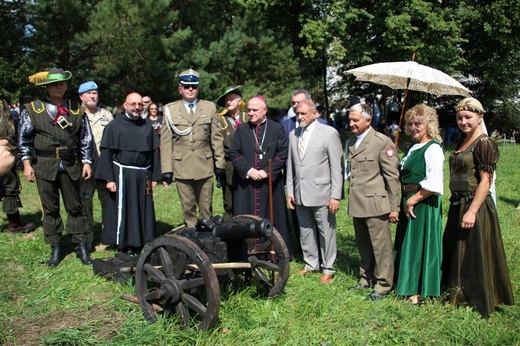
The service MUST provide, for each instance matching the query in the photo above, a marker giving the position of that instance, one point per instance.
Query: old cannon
(181, 272)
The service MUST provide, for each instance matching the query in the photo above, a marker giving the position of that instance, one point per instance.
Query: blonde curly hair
(428, 116)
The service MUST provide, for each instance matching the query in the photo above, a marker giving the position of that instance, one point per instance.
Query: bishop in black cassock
(256, 142)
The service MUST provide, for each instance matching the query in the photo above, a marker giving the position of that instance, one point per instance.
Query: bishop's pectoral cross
(260, 152)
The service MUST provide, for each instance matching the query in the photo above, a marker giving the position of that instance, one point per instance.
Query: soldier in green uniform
(11, 181)
(229, 119)
(192, 148)
(55, 144)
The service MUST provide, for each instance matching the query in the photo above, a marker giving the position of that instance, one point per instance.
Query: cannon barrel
(240, 228)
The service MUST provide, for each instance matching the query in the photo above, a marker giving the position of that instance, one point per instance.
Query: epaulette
(380, 135)
(245, 117)
(104, 110)
(206, 101)
(38, 106)
(172, 103)
(223, 122)
(74, 107)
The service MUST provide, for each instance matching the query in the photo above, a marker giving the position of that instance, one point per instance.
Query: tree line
(267, 46)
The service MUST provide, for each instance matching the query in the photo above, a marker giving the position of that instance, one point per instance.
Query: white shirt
(361, 137)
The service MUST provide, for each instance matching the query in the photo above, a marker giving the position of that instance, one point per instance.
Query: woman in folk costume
(418, 241)
(474, 267)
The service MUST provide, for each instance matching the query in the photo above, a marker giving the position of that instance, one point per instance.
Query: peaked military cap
(189, 77)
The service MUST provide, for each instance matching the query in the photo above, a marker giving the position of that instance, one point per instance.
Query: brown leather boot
(16, 226)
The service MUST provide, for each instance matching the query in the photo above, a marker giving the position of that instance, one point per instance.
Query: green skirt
(418, 249)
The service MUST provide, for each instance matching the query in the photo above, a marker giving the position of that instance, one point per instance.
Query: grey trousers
(318, 237)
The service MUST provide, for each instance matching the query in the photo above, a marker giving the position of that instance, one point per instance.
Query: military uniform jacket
(38, 131)
(374, 176)
(191, 154)
(98, 121)
(228, 130)
(227, 127)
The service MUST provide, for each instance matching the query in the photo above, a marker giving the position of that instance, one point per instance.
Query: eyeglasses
(190, 86)
(135, 104)
(147, 101)
(415, 124)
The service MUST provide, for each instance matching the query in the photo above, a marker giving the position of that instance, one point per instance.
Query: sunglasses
(190, 86)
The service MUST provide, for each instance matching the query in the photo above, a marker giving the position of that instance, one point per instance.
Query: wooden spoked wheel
(269, 259)
(174, 275)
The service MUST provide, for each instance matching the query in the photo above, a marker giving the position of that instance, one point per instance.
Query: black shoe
(376, 296)
(55, 256)
(83, 255)
(359, 287)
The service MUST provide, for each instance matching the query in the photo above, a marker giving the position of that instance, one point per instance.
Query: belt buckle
(58, 149)
(63, 122)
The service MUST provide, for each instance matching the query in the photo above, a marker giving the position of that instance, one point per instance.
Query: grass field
(69, 305)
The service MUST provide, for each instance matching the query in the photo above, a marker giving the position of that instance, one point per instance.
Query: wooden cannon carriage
(182, 272)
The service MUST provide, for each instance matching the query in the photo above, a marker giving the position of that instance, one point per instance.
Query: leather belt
(459, 197)
(60, 153)
(410, 188)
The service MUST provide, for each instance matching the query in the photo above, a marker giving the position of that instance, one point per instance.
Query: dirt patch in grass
(30, 331)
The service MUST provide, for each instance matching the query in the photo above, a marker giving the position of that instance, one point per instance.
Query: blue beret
(87, 86)
(189, 77)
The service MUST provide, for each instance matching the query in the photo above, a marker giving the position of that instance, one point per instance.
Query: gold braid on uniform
(224, 123)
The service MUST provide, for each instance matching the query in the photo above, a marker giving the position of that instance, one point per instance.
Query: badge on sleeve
(389, 152)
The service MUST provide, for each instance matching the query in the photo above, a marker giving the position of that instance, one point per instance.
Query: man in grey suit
(373, 200)
(314, 186)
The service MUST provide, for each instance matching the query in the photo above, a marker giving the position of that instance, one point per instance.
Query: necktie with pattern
(303, 142)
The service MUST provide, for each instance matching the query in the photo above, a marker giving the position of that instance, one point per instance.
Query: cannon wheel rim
(281, 262)
(174, 272)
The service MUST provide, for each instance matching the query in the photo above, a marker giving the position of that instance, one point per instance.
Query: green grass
(69, 305)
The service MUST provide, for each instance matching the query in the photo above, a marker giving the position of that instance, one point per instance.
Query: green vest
(49, 136)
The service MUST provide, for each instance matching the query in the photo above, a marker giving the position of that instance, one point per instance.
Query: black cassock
(129, 157)
(252, 146)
